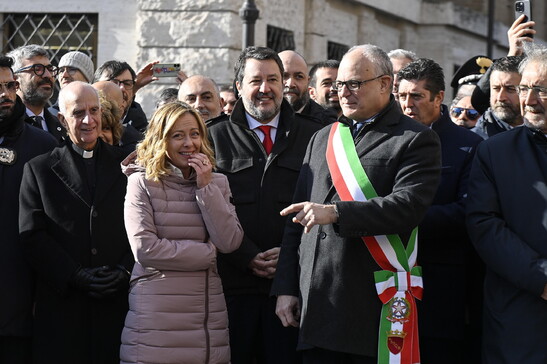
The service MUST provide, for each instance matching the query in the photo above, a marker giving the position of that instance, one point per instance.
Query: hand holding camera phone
(524, 7)
(166, 69)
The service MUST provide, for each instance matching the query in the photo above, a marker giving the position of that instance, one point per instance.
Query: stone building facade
(204, 36)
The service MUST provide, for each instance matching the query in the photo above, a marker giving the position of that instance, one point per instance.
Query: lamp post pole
(490, 36)
(248, 13)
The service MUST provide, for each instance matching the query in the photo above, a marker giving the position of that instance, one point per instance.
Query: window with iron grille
(280, 39)
(58, 33)
(336, 50)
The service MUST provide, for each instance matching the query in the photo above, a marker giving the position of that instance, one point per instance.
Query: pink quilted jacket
(177, 309)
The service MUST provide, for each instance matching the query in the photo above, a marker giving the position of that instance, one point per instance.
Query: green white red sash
(400, 281)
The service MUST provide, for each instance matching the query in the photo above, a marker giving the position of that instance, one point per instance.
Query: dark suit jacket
(330, 266)
(318, 112)
(136, 117)
(62, 228)
(506, 220)
(445, 251)
(53, 125)
(261, 187)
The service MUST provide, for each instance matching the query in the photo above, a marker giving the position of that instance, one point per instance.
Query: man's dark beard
(6, 111)
(332, 104)
(35, 96)
(298, 104)
(8, 119)
(506, 113)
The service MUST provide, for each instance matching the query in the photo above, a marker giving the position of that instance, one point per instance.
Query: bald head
(112, 93)
(295, 79)
(76, 90)
(202, 94)
(80, 113)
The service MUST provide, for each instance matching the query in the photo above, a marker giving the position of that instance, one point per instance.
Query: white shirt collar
(32, 114)
(253, 123)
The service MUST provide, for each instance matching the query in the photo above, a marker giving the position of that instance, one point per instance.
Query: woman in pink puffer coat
(177, 215)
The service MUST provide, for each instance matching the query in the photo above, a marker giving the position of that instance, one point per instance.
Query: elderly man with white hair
(72, 229)
(506, 220)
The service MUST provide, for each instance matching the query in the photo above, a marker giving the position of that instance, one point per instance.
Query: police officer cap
(471, 71)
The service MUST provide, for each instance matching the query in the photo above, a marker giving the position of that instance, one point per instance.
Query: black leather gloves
(100, 282)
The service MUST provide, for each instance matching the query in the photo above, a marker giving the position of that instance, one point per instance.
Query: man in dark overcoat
(72, 228)
(506, 220)
(19, 142)
(326, 275)
(262, 174)
(451, 268)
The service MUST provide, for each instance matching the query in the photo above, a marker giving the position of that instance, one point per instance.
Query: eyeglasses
(11, 86)
(540, 90)
(127, 84)
(39, 69)
(352, 85)
(471, 114)
(71, 70)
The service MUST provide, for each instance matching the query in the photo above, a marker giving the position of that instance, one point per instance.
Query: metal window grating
(280, 39)
(58, 33)
(336, 50)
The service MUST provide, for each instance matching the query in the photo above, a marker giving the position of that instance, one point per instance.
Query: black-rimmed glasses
(127, 84)
(11, 86)
(352, 85)
(39, 69)
(540, 90)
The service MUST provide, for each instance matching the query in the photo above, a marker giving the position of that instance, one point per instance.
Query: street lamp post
(248, 13)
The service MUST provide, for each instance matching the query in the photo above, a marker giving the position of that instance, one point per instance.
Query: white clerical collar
(253, 123)
(86, 154)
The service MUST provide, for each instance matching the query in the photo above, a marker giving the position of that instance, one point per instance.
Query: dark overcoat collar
(65, 167)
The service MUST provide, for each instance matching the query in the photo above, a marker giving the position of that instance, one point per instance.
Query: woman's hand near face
(203, 168)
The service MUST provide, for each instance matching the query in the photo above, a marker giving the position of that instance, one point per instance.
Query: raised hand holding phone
(522, 28)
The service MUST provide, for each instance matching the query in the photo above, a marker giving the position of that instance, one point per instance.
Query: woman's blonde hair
(152, 151)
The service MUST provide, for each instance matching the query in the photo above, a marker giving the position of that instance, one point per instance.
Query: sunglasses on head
(470, 113)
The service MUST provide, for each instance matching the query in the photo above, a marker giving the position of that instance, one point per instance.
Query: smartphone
(166, 69)
(524, 7)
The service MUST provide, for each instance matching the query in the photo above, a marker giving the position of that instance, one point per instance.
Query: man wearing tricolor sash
(347, 273)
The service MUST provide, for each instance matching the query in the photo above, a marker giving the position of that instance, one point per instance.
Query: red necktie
(267, 142)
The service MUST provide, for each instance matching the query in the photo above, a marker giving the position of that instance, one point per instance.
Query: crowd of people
(339, 213)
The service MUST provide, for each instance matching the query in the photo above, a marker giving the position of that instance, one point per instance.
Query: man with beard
(36, 76)
(202, 94)
(19, 142)
(125, 77)
(506, 210)
(504, 112)
(260, 148)
(296, 81)
(322, 76)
